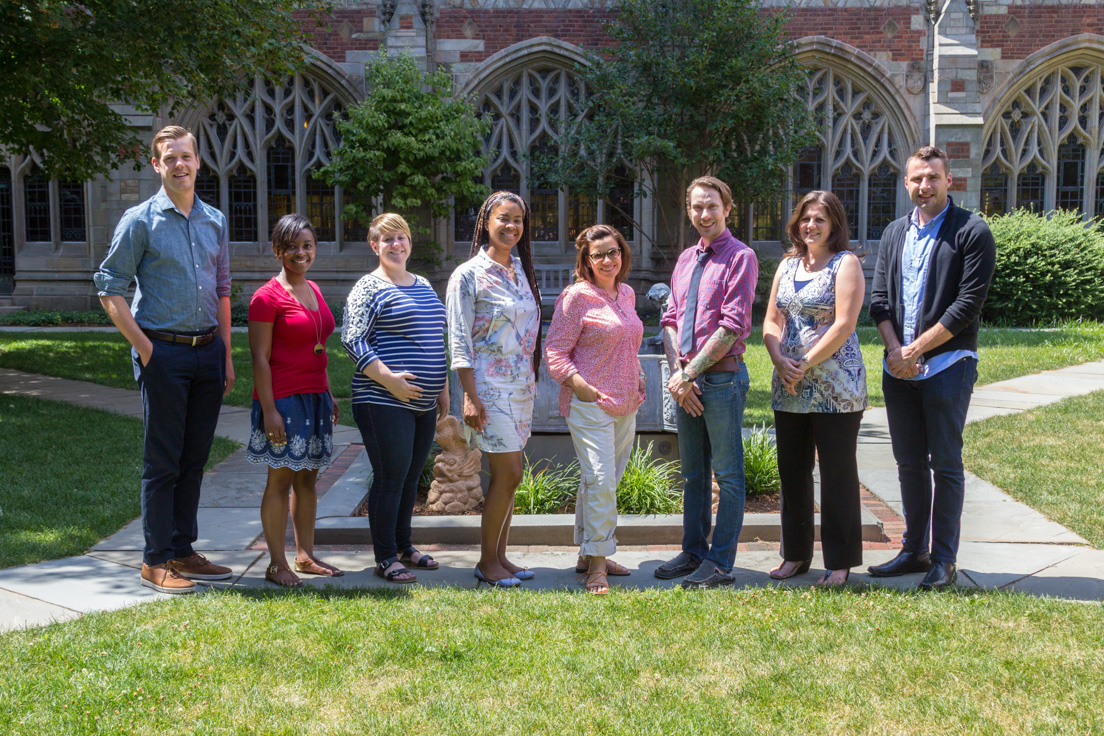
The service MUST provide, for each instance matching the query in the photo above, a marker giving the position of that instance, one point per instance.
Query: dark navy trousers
(181, 396)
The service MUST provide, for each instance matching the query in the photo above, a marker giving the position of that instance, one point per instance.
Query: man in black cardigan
(933, 272)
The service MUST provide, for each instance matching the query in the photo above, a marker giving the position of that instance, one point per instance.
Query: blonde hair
(172, 133)
(388, 222)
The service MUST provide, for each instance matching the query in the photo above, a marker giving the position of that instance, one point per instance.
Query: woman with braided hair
(493, 307)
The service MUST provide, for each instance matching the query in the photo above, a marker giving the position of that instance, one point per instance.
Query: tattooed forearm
(715, 348)
(670, 348)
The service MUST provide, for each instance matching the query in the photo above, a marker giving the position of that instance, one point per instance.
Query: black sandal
(381, 571)
(425, 562)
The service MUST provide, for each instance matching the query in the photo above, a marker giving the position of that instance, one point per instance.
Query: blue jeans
(708, 444)
(926, 419)
(397, 442)
(181, 390)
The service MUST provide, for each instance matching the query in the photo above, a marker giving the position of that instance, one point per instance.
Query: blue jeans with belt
(926, 419)
(711, 444)
(181, 390)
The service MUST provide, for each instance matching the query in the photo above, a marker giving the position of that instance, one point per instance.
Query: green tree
(690, 87)
(412, 145)
(64, 64)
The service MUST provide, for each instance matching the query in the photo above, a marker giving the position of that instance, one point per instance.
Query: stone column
(956, 110)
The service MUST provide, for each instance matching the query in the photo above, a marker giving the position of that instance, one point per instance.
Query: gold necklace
(319, 348)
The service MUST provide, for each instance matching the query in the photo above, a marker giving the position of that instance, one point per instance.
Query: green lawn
(104, 358)
(71, 477)
(1051, 458)
(450, 661)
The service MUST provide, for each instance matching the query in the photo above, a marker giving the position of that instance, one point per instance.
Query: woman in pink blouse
(591, 350)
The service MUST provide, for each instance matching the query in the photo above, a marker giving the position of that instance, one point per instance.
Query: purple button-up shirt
(725, 292)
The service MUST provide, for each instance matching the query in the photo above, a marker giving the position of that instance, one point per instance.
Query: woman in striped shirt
(394, 332)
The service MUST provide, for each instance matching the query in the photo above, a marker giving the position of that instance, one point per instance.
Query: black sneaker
(708, 576)
(683, 564)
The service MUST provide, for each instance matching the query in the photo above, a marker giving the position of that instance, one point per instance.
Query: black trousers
(831, 437)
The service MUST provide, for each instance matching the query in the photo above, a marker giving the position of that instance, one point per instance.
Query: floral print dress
(493, 323)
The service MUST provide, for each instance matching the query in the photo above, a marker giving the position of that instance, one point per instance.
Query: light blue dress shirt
(915, 259)
(182, 264)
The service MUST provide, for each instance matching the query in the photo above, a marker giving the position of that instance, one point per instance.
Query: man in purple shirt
(708, 318)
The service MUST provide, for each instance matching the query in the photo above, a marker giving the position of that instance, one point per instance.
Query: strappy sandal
(392, 576)
(612, 568)
(424, 561)
(596, 583)
(273, 570)
(314, 566)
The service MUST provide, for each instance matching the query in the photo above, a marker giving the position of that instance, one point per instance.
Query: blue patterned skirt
(308, 423)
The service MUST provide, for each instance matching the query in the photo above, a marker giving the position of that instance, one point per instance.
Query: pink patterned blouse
(598, 338)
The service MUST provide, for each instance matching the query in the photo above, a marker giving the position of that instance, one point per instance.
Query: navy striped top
(404, 326)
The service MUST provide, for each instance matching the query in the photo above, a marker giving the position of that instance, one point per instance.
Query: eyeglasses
(611, 255)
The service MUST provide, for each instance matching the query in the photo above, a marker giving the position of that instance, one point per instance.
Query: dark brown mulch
(765, 504)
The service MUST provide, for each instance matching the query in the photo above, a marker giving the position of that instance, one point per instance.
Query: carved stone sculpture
(455, 487)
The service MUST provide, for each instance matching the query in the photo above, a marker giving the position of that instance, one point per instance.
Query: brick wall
(346, 30)
(1035, 27)
(883, 30)
(499, 29)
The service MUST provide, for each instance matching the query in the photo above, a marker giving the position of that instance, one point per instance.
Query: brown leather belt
(727, 363)
(177, 339)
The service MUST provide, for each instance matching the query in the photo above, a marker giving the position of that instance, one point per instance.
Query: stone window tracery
(1045, 148)
(529, 110)
(261, 149)
(7, 233)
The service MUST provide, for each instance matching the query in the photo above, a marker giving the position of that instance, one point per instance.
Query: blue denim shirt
(182, 264)
(915, 258)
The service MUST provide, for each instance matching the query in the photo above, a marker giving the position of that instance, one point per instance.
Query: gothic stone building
(1013, 89)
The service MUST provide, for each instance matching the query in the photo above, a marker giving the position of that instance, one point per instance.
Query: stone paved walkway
(1005, 544)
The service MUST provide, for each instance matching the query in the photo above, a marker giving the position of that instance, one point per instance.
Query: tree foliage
(64, 64)
(1049, 268)
(691, 87)
(412, 145)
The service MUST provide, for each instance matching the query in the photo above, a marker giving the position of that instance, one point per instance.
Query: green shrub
(767, 267)
(546, 490)
(650, 485)
(1049, 268)
(34, 318)
(761, 464)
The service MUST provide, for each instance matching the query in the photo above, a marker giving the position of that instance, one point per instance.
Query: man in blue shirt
(933, 272)
(176, 247)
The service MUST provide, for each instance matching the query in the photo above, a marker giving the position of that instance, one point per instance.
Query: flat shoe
(613, 569)
(525, 574)
(273, 570)
(596, 583)
(827, 574)
(684, 563)
(511, 582)
(801, 569)
(317, 567)
(424, 562)
(392, 576)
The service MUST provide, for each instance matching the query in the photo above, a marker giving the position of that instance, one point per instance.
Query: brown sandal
(596, 583)
(315, 566)
(274, 570)
(612, 568)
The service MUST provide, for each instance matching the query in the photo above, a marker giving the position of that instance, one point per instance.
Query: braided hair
(482, 237)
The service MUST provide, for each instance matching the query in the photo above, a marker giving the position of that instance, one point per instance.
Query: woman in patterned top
(818, 390)
(494, 341)
(293, 409)
(394, 332)
(592, 350)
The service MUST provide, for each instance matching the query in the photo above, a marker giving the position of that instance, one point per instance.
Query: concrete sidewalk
(1005, 544)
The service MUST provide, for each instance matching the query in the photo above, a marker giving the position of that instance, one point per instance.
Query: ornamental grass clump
(1049, 268)
(546, 488)
(650, 485)
(761, 463)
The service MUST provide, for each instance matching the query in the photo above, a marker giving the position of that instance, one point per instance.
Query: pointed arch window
(1047, 141)
(36, 206)
(7, 233)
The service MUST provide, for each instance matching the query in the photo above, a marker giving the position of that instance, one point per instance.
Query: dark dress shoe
(904, 563)
(942, 575)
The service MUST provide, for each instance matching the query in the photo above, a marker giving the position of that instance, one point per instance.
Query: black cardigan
(961, 267)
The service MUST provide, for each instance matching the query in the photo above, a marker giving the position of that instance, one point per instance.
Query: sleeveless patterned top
(837, 385)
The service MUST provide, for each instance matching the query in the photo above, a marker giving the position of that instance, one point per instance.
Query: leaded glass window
(36, 206)
(845, 185)
(7, 233)
(529, 110)
(882, 196)
(207, 187)
(994, 191)
(71, 198)
(1048, 139)
(261, 147)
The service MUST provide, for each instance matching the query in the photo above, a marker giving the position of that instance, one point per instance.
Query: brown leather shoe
(198, 567)
(164, 579)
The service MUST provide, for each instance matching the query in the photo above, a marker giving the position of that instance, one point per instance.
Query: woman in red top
(591, 350)
(293, 408)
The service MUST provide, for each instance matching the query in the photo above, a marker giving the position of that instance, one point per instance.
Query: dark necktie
(686, 331)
